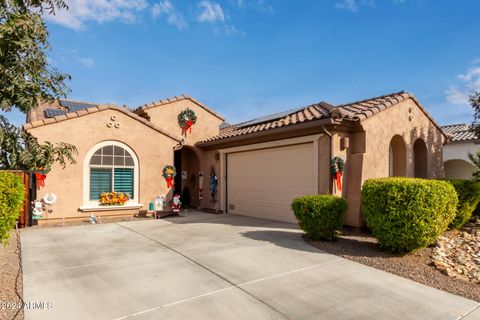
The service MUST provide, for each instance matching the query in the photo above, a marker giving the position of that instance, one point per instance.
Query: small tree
(19, 150)
(25, 75)
(475, 102)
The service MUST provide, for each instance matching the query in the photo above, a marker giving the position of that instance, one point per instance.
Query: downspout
(330, 144)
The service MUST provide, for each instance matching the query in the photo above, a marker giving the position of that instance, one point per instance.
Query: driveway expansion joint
(209, 270)
(468, 312)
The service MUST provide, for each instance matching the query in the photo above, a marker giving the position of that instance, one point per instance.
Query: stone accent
(458, 254)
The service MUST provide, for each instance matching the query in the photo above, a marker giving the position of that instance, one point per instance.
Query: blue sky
(246, 58)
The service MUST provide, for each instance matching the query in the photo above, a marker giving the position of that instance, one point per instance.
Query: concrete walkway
(212, 267)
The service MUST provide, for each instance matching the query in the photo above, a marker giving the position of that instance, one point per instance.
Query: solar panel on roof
(269, 117)
(75, 106)
(50, 113)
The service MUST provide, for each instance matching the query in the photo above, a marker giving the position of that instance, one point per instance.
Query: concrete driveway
(212, 267)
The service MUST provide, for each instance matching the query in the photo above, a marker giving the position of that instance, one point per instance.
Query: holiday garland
(186, 120)
(169, 173)
(337, 166)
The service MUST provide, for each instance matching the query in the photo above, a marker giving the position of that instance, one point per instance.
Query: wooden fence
(24, 218)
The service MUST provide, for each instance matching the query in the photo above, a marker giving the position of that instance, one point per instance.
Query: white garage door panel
(262, 183)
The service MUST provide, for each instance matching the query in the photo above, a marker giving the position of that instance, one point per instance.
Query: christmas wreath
(169, 173)
(186, 120)
(337, 166)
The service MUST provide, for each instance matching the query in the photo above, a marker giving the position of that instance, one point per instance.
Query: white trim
(87, 203)
(266, 145)
(127, 206)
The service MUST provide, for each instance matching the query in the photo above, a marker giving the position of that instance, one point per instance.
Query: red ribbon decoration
(169, 181)
(40, 179)
(338, 177)
(188, 126)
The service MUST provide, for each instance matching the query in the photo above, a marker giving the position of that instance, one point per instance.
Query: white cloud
(468, 83)
(210, 11)
(87, 62)
(81, 11)
(354, 5)
(349, 5)
(260, 5)
(166, 8)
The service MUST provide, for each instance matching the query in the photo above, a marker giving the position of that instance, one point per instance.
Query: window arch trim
(88, 204)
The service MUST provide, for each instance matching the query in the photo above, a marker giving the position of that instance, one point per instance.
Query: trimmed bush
(320, 216)
(406, 214)
(468, 192)
(12, 193)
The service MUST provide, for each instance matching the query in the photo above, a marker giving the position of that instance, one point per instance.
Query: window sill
(128, 206)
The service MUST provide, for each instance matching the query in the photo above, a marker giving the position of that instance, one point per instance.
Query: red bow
(338, 177)
(188, 126)
(169, 182)
(40, 179)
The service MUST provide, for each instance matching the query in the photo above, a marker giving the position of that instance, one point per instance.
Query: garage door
(262, 183)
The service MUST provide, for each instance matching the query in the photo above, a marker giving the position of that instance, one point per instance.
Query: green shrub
(468, 192)
(320, 216)
(406, 214)
(12, 193)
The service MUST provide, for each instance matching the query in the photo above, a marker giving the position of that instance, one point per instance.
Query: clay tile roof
(143, 109)
(295, 116)
(459, 132)
(95, 109)
(354, 111)
(364, 109)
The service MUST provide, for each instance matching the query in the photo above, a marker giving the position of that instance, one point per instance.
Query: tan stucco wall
(166, 117)
(154, 150)
(405, 119)
(206, 126)
(211, 159)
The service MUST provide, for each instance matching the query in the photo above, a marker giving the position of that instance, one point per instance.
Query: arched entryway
(458, 169)
(397, 164)
(420, 159)
(187, 164)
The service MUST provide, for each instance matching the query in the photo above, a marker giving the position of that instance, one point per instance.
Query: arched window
(110, 166)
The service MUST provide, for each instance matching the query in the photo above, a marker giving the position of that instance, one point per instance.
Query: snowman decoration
(38, 208)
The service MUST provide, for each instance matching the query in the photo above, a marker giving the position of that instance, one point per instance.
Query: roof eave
(84, 112)
(266, 133)
(163, 102)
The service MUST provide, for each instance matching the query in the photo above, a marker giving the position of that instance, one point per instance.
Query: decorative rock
(458, 254)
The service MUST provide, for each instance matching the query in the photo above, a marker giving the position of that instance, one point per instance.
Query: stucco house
(455, 153)
(261, 165)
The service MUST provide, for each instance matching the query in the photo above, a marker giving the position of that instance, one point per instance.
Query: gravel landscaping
(418, 266)
(11, 282)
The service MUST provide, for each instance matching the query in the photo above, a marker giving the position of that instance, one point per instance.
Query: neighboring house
(261, 164)
(455, 153)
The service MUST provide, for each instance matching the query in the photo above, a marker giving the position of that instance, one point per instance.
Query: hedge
(406, 214)
(12, 194)
(468, 192)
(320, 216)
